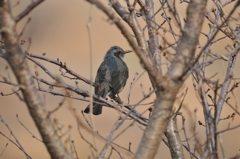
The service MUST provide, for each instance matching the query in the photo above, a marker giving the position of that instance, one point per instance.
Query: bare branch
(24, 13)
(168, 89)
(18, 143)
(172, 134)
(59, 63)
(28, 129)
(17, 60)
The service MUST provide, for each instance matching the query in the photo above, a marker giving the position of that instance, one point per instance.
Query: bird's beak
(127, 51)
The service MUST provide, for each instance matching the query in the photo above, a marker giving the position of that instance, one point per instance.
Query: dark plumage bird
(111, 76)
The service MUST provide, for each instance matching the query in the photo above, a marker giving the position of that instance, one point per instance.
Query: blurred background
(58, 28)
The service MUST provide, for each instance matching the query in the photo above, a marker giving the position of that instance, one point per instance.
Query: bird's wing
(119, 76)
(111, 75)
(119, 79)
(102, 80)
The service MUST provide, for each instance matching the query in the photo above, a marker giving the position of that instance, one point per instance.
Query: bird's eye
(117, 54)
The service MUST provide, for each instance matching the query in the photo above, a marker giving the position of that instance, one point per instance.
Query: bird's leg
(116, 98)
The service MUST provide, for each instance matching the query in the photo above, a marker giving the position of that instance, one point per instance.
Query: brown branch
(113, 144)
(130, 18)
(24, 28)
(131, 113)
(19, 145)
(27, 129)
(17, 60)
(14, 144)
(228, 129)
(153, 38)
(174, 78)
(174, 141)
(226, 83)
(60, 64)
(24, 13)
(210, 40)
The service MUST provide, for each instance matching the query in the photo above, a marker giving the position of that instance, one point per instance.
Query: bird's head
(117, 52)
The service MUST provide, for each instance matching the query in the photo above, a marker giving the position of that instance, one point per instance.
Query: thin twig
(91, 77)
(28, 129)
(228, 129)
(19, 144)
(29, 8)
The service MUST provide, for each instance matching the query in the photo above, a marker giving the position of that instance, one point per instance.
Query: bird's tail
(103, 91)
(97, 109)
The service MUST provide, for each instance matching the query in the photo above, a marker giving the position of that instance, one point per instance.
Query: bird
(111, 77)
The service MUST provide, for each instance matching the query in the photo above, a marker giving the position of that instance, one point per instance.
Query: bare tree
(168, 65)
